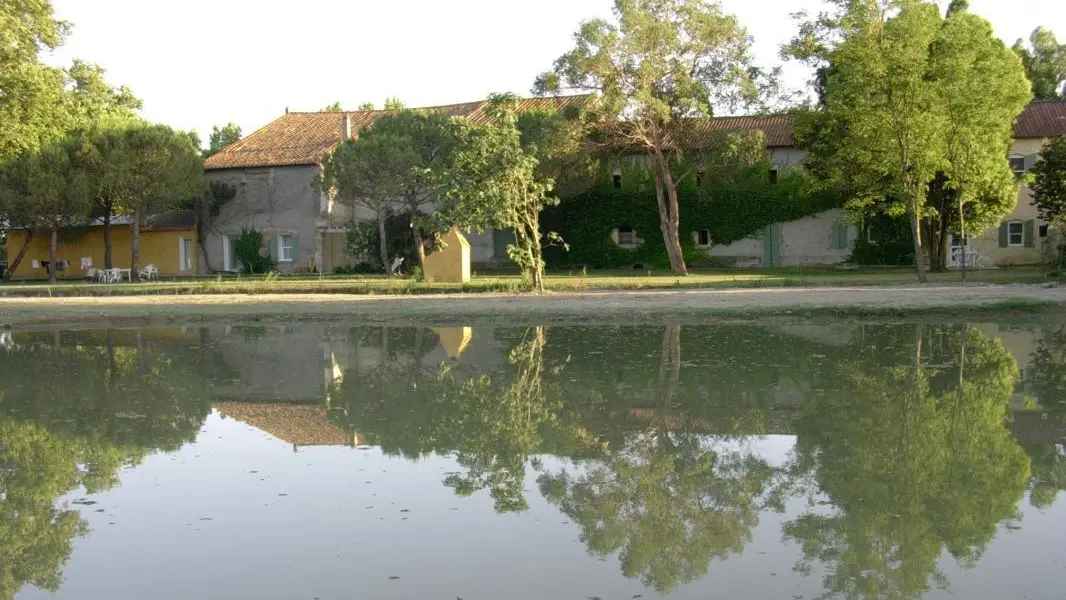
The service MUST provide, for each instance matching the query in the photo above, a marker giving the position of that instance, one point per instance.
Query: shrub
(249, 250)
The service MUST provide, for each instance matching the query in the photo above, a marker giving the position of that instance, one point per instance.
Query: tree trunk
(666, 196)
(916, 235)
(22, 254)
(52, 243)
(135, 244)
(383, 248)
(108, 207)
(963, 246)
(943, 244)
(420, 246)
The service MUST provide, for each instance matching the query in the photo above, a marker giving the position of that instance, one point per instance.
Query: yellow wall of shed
(159, 248)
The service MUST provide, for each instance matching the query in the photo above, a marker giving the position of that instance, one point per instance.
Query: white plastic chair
(149, 272)
(395, 265)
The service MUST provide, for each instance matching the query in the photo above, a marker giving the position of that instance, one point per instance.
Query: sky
(198, 63)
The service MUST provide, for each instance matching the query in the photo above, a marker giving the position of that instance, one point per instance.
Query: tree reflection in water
(71, 415)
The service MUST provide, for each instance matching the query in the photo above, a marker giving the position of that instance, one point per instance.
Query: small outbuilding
(450, 261)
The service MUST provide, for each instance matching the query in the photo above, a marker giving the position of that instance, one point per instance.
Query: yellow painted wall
(987, 244)
(450, 264)
(159, 248)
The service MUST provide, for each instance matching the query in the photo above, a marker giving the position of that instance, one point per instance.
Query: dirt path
(616, 305)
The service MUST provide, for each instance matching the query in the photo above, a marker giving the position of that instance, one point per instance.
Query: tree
(139, 168)
(911, 424)
(1049, 181)
(660, 65)
(982, 89)
(369, 172)
(493, 182)
(47, 190)
(365, 106)
(425, 142)
(221, 137)
(394, 103)
(875, 59)
(1045, 64)
(335, 107)
(30, 91)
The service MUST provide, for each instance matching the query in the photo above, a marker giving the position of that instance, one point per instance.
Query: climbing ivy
(731, 203)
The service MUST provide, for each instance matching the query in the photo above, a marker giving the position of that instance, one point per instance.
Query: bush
(363, 268)
(249, 250)
(361, 241)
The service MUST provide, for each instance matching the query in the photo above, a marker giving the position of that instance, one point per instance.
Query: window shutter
(295, 239)
(1003, 238)
(1030, 161)
(272, 247)
(1030, 234)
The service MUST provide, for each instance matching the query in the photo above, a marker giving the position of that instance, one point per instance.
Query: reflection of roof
(297, 424)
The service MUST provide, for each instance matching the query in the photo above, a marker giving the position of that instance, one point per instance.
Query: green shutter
(272, 247)
(1003, 237)
(1030, 234)
(1030, 161)
(839, 235)
(295, 249)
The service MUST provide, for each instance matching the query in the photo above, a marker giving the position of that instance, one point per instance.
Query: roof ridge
(432, 107)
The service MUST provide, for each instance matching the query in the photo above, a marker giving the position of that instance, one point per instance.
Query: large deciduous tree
(1045, 64)
(916, 114)
(982, 90)
(656, 67)
(1049, 187)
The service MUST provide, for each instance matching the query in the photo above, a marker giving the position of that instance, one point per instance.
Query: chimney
(346, 127)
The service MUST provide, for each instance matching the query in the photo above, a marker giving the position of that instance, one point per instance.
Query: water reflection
(910, 440)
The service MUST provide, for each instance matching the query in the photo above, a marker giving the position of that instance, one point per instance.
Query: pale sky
(197, 63)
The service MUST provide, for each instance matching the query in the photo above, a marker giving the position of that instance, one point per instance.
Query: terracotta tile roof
(297, 424)
(304, 138)
(777, 129)
(1042, 119)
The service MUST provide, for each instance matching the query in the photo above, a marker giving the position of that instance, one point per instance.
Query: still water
(801, 460)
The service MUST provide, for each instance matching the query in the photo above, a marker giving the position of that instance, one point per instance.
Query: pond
(784, 459)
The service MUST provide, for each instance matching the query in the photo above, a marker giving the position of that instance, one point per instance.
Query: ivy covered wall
(731, 203)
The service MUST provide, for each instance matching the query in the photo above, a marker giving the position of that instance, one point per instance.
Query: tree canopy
(221, 137)
(1045, 64)
(656, 66)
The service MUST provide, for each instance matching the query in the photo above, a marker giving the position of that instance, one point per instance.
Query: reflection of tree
(70, 416)
(491, 422)
(669, 501)
(913, 464)
(1049, 367)
(1049, 474)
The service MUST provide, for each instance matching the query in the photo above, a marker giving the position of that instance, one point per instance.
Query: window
(617, 178)
(773, 175)
(1015, 233)
(185, 254)
(285, 244)
(626, 236)
(1017, 164)
(1043, 231)
(703, 238)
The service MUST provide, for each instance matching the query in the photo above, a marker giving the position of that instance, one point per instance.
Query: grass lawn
(592, 281)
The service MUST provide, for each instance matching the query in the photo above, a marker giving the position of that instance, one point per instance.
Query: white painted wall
(804, 242)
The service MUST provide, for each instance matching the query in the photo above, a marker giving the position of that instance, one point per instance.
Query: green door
(771, 245)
